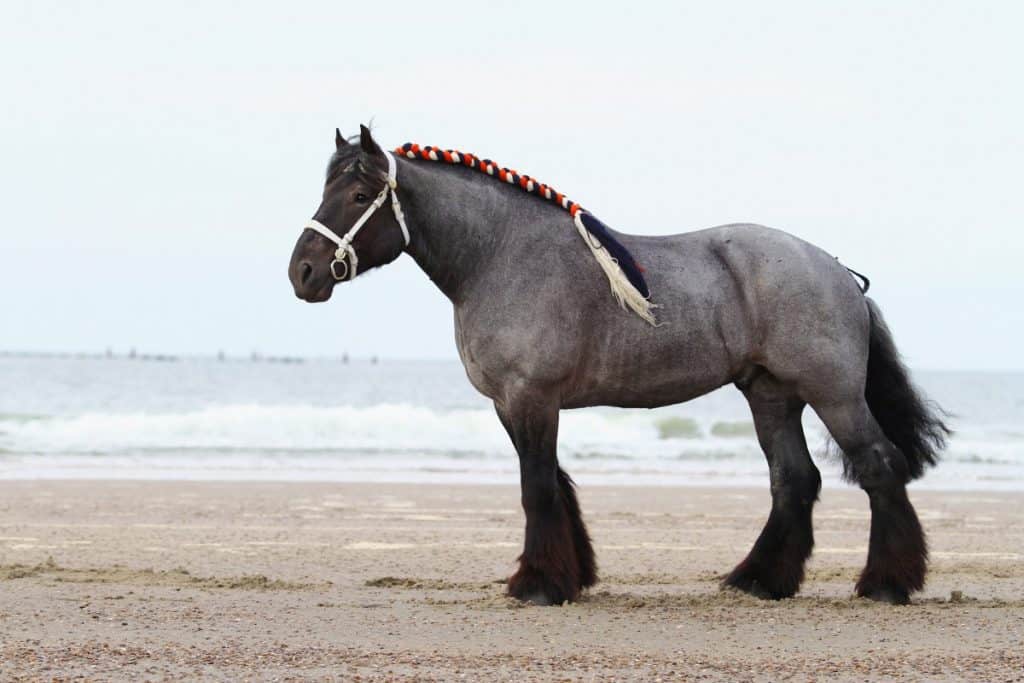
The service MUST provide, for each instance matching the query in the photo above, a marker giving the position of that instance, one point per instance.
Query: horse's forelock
(352, 159)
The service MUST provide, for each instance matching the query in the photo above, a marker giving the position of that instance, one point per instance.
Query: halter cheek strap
(345, 265)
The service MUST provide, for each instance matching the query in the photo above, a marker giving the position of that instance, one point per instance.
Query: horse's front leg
(558, 559)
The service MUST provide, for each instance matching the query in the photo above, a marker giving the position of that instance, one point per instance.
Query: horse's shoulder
(528, 339)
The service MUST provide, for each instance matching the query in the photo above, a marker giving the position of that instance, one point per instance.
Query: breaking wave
(407, 442)
(383, 428)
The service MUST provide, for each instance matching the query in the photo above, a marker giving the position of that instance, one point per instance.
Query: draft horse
(537, 332)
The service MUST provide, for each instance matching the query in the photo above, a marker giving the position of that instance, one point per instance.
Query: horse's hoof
(742, 581)
(755, 589)
(892, 595)
(758, 591)
(533, 587)
(539, 599)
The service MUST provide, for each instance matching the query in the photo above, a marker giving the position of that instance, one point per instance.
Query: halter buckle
(334, 268)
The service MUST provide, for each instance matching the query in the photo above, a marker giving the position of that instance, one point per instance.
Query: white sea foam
(413, 422)
(382, 428)
(409, 442)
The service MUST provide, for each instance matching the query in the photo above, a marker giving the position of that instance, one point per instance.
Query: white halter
(345, 254)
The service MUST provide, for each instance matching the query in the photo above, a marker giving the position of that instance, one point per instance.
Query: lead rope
(345, 256)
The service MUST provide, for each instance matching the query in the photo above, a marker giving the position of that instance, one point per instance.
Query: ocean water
(326, 420)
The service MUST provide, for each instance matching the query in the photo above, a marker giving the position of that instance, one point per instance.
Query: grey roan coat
(538, 331)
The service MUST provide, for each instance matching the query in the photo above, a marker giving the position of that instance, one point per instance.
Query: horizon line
(344, 356)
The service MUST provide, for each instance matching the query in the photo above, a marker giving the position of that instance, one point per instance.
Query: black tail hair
(913, 424)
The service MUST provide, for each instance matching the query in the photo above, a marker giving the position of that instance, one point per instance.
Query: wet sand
(240, 581)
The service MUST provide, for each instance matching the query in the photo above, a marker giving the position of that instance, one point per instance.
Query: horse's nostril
(305, 271)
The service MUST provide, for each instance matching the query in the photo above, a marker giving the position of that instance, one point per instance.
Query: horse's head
(352, 231)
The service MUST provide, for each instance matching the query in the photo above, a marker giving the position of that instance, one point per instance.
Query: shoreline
(117, 580)
(831, 481)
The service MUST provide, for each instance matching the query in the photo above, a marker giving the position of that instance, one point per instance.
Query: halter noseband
(345, 255)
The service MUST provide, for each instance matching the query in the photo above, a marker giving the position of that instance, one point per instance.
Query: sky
(158, 162)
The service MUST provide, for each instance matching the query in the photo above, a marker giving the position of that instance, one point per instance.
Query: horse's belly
(645, 394)
(650, 382)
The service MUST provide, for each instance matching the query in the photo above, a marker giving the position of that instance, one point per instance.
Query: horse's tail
(912, 423)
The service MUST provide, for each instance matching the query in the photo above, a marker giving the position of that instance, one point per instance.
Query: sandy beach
(255, 581)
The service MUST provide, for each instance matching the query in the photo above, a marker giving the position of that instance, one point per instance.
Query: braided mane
(491, 168)
(624, 274)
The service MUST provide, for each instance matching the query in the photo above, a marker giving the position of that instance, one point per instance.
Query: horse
(741, 304)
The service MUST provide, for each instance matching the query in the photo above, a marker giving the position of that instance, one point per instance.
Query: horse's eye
(362, 198)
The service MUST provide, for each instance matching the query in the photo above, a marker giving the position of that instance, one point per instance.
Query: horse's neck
(455, 230)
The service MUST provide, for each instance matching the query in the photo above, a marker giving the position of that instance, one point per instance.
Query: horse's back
(766, 268)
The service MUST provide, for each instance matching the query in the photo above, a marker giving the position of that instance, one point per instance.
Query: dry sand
(246, 581)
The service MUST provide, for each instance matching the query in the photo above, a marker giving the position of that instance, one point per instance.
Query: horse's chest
(481, 380)
(478, 369)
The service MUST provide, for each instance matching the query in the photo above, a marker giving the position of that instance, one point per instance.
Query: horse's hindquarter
(801, 315)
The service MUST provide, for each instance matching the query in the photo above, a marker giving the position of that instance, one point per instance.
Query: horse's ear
(367, 142)
(339, 139)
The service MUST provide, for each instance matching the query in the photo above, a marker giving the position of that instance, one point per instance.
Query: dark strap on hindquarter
(865, 282)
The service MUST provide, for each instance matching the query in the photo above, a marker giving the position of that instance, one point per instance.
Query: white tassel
(622, 289)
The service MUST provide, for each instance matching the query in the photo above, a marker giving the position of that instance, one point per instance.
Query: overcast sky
(158, 161)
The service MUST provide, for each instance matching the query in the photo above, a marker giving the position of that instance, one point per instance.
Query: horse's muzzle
(311, 284)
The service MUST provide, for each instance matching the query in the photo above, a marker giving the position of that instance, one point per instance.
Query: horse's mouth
(316, 296)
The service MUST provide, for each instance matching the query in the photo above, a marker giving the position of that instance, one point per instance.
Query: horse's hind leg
(897, 551)
(558, 558)
(774, 567)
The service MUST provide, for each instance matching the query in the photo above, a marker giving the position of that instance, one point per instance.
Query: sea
(380, 420)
